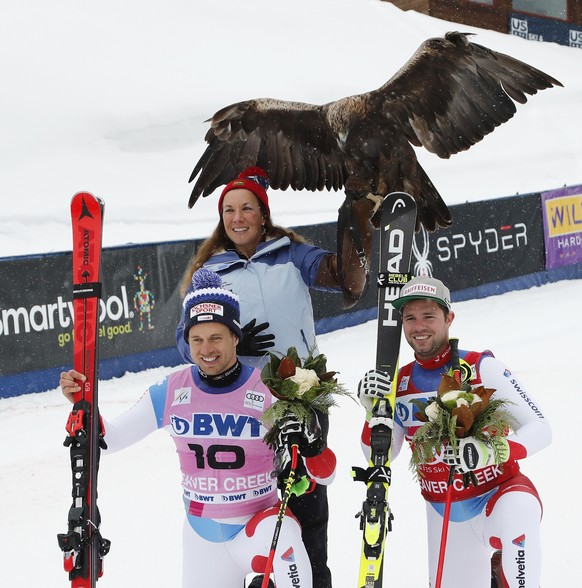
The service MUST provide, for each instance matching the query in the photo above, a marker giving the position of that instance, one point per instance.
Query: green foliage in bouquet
(456, 413)
(298, 387)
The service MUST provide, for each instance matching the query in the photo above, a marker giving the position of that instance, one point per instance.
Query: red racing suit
(503, 511)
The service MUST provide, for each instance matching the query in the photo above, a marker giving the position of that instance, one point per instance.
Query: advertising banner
(562, 214)
(139, 305)
(545, 29)
(328, 308)
(488, 242)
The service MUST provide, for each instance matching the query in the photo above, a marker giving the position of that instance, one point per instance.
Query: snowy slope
(112, 97)
(139, 489)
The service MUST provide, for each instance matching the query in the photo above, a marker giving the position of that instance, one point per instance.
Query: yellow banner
(564, 215)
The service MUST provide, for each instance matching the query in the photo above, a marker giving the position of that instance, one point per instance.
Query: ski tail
(83, 546)
(396, 238)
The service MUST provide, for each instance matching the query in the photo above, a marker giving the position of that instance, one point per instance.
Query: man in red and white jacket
(503, 511)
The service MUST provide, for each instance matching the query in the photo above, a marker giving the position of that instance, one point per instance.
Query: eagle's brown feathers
(447, 97)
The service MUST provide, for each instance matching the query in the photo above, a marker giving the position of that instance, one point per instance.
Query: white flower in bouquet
(456, 398)
(305, 379)
(432, 411)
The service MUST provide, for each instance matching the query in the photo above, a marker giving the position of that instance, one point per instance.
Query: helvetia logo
(292, 572)
(294, 575)
(520, 560)
(288, 555)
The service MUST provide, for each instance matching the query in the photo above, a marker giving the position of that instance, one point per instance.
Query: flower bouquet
(456, 412)
(298, 387)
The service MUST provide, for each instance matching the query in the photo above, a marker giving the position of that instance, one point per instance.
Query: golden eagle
(447, 97)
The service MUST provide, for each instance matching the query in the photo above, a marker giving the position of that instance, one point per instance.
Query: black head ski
(396, 238)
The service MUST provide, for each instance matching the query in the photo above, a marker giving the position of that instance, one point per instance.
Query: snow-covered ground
(533, 331)
(111, 97)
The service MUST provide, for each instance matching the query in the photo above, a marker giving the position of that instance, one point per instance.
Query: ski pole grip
(293, 442)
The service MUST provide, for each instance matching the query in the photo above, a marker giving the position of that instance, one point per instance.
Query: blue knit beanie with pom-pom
(208, 301)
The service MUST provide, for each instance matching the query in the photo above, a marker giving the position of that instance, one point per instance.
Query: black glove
(307, 434)
(251, 342)
(282, 462)
(474, 454)
(374, 384)
(308, 437)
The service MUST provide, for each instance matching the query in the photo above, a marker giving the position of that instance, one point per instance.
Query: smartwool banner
(139, 305)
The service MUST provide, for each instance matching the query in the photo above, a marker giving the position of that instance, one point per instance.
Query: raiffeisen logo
(59, 314)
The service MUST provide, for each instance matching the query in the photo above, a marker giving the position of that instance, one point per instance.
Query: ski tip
(87, 195)
(395, 205)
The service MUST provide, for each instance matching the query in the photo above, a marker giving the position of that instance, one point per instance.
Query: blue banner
(544, 29)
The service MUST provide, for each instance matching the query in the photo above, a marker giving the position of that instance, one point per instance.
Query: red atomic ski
(83, 546)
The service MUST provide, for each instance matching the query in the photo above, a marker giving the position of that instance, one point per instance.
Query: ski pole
(445, 529)
(455, 361)
(281, 515)
(454, 343)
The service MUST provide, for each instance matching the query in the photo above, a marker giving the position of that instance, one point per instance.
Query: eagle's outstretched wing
(447, 97)
(291, 141)
(451, 93)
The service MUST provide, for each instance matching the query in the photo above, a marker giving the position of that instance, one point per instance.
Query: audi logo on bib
(254, 396)
(254, 400)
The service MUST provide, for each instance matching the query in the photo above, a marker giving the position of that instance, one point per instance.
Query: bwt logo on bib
(217, 426)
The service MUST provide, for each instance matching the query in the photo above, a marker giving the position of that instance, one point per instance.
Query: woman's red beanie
(254, 179)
